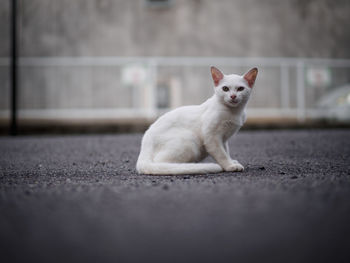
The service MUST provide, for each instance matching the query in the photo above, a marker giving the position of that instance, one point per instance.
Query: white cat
(180, 138)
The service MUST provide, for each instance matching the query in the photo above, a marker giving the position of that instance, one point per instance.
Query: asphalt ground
(79, 199)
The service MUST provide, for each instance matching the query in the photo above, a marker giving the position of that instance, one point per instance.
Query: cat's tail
(144, 167)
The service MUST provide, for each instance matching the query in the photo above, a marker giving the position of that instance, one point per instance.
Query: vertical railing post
(152, 110)
(13, 66)
(301, 114)
(284, 86)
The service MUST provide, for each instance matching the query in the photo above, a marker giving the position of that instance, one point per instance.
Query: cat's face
(233, 90)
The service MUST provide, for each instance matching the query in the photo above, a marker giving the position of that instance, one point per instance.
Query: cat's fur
(180, 138)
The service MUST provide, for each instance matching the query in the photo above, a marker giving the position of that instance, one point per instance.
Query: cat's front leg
(235, 165)
(216, 148)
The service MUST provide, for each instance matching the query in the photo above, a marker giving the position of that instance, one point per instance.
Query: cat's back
(182, 117)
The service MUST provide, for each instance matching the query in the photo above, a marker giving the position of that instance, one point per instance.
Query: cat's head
(233, 90)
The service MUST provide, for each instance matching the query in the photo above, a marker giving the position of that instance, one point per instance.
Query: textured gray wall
(310, 28)
(241, 28)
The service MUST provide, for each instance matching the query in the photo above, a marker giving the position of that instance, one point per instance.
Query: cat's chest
(230, 127)
(229, 122)
(224, 127)
(222, 123)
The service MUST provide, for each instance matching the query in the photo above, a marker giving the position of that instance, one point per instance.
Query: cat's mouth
(232, 103)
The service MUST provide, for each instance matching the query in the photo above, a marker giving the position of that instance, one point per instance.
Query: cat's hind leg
(176, 160)
(178, 151)
(174, 155)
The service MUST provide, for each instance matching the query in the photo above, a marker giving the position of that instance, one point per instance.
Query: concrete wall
(240, 28)
(292, 28)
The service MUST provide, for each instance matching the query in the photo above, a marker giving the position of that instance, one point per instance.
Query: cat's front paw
(234, 167)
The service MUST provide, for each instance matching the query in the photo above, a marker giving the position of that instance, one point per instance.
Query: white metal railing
(175, 61)
(283, 64)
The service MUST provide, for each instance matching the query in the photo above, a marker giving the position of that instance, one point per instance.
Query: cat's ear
(250, 76)
(216, 75)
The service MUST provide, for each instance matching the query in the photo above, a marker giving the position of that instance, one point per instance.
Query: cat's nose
(233, 97)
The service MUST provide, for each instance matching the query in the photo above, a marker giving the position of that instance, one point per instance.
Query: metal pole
(13, 66)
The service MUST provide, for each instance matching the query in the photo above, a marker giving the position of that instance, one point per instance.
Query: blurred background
(115, 65)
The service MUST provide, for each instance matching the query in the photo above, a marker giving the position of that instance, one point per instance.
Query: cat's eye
(225, 88)
(240, 88)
